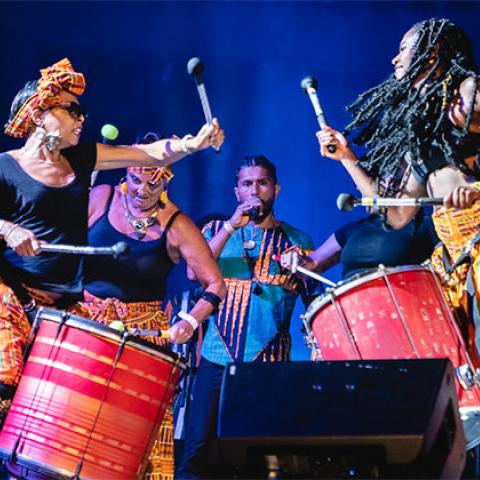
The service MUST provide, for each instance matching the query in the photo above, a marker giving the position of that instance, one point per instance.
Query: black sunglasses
(74, 109)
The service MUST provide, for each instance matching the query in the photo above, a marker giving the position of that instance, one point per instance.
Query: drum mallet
(116, 250)
(195, 68)
(309, 85)
(297, 268)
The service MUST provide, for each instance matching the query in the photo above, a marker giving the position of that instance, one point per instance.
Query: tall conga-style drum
(395, 313)
(89, 403)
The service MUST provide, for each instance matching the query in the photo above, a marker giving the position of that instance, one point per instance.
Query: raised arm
(195, 251)
(161, 153)
(343, 153)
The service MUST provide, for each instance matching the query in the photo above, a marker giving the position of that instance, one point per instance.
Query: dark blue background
(134, 57)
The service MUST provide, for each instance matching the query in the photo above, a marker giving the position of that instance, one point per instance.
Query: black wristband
(213, 299)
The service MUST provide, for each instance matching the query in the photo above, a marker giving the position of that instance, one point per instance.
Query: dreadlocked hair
(394, 119)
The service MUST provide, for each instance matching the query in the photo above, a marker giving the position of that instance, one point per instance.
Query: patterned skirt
(15, 329)
(456, 228)
(149, 316)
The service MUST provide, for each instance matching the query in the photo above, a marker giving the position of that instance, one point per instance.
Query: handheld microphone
(346, 202)
(195, 68)
(254, 213)
(309, 85)
(116, 250)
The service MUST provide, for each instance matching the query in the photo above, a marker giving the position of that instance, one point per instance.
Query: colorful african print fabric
(60, 76)
(456, 228)
(149, 316)
(15, 330)
(254, 319)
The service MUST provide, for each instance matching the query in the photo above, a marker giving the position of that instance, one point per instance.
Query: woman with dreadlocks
(422, 129)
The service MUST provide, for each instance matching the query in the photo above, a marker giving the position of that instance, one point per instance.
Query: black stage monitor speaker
(344, 419)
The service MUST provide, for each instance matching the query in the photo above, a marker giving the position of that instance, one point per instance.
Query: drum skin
(391, 314)
(72, 403)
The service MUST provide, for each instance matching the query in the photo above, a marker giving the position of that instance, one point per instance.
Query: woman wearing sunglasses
(44, 187)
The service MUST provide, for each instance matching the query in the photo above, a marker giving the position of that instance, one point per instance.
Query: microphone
(309, 85)
(254, 213)
(195, 68)
(116, 250)
(346, 202)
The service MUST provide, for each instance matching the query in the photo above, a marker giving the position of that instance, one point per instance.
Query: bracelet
(228, 227)
(188, 318)
(183, 144)
(213, 299)
(6, 235)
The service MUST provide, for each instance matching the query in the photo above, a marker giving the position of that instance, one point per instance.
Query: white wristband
(228, 227)
(188, 318)
(183, 144)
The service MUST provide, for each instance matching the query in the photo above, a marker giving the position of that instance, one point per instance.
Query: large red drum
(395, 313)
(89, 403)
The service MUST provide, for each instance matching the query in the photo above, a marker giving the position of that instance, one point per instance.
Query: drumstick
(139, 332)
(195, 68)
(119, 248)
(346, 202)
(309, 85)
(305, 271)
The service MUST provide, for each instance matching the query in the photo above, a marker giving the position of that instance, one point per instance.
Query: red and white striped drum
(395, 313)
(89, 403)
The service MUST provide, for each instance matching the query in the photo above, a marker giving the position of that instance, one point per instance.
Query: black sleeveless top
(139, 276)
(53, 214)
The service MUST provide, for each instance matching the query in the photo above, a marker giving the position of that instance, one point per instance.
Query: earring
(163, 196)
(123, 185)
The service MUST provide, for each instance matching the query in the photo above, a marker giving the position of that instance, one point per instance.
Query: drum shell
(398, 313)
(71, 400)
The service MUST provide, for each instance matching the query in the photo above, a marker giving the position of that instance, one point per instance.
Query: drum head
(117, 336)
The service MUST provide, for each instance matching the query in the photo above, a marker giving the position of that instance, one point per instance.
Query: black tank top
(139, 276)
(55, 215)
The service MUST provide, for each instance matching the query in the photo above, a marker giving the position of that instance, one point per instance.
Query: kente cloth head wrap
(157, 173)
(60, 76)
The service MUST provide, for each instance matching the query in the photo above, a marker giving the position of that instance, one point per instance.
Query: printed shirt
(254, 319)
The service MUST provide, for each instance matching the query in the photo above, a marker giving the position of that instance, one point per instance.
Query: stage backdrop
(134, 56)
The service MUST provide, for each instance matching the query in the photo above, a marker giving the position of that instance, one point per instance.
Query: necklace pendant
(249, 244)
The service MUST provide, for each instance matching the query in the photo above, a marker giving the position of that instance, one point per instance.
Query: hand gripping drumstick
(195, 68)
(309, 85)
(297, 268)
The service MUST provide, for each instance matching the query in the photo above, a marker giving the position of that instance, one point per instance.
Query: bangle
(229, 228)
(6, 235)
(213, 299)
(188, 318)
(183, 144)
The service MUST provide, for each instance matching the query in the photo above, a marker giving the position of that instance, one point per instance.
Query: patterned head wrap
(60, 76)
(156, 173)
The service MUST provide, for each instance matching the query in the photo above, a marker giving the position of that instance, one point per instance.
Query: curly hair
(394, 119)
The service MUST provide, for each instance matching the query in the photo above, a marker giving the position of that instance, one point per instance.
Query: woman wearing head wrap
(422, 129)
(44, 189)
(131, 288)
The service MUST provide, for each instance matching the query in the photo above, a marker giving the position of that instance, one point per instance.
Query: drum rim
(354, 282)
(42, 469)
(97, 328)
